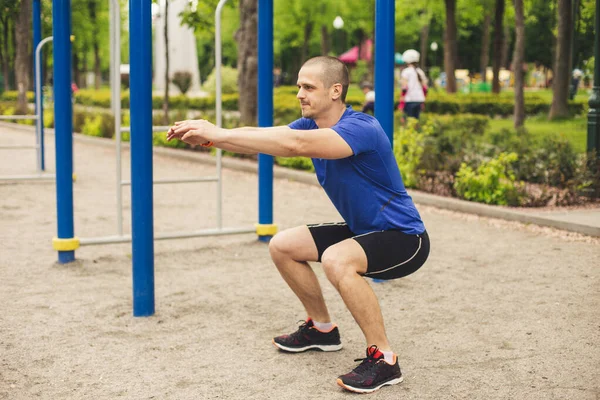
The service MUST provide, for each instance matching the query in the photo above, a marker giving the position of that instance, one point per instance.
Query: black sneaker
(308, 337)
(372, 374)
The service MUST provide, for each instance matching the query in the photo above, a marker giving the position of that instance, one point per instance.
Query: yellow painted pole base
(65, 244)
(266, 229)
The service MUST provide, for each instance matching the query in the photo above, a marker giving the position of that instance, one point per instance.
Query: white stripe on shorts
(402, 263)
(365, 234)
(326, 224)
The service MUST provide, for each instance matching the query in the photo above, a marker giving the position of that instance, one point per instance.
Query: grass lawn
(546, 94)
(575, 129)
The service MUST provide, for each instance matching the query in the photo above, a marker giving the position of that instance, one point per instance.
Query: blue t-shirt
(366, 188)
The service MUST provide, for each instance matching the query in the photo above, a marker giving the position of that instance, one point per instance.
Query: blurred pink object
(351, 56)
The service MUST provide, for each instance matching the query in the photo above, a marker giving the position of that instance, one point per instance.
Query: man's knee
(278, 246)
(286, 244)
(295, 243)
(335, 266)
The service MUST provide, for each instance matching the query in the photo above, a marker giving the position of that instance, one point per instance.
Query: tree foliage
(304, 28)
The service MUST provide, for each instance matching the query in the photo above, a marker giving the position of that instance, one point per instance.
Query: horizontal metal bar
(28, 177)
(166, 236)
(178, 180)
(154, 128)
(18, 117)
(19, 146)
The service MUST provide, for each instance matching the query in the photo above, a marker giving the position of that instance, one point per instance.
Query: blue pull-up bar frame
(140, 28)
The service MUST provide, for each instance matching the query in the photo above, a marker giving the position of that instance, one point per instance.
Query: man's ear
(336, 91)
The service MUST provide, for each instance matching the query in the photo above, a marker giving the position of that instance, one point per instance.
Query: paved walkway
(590, 217)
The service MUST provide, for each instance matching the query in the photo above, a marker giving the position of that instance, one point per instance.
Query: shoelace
(367, 362)
(302, 328)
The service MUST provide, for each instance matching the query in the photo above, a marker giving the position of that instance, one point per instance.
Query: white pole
(115, 98)
(38, 101)
(166, 236)
(219, 106)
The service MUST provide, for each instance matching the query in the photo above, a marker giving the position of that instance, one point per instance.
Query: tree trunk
(560, 82)
(498, 39)
(6, 62)
(13, 59)
(450, 46)
(76, 69)
(82, 83)
(12, 54)
(23, 34)
(424, 44)
(324, 40)
(505, 63)
(95, 44)
(166, 35)
(485, 47)
(576, 27)
(306, 40)
(3, 53)
(247, 39)
(518, 60)
(361, 38)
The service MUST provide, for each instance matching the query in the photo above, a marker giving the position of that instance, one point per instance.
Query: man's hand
(194, 132)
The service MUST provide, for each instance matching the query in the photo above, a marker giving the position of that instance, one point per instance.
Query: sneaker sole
(322, 347)
(370, 390)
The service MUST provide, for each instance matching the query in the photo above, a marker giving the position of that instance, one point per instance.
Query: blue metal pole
(265, 229)
(37, 37)
(385, 10)
(142, 224)
(65, 243)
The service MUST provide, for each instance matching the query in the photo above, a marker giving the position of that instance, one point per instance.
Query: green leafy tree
(304, 29)
(540, 21)
(200, 16)
(414, 22)
(583, 42)
(91, 47)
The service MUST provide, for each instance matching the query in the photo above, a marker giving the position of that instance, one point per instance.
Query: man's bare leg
(290, 251)
(342, 264)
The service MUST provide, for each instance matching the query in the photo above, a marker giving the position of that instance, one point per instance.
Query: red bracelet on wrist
(207, 144)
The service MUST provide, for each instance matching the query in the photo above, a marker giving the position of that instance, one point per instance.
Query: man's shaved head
(332, 71)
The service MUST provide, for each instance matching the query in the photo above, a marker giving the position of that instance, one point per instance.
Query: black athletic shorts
(390, 254)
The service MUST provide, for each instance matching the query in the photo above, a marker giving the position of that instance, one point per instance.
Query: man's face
(314, 97)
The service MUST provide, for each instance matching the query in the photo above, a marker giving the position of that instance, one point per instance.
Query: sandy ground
(500, 311)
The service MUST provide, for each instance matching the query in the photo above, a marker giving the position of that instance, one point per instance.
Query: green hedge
(12, 95)
(492, 105)
(286, 104)
(102, 99)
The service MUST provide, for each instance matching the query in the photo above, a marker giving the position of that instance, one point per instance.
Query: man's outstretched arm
(277, 141)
